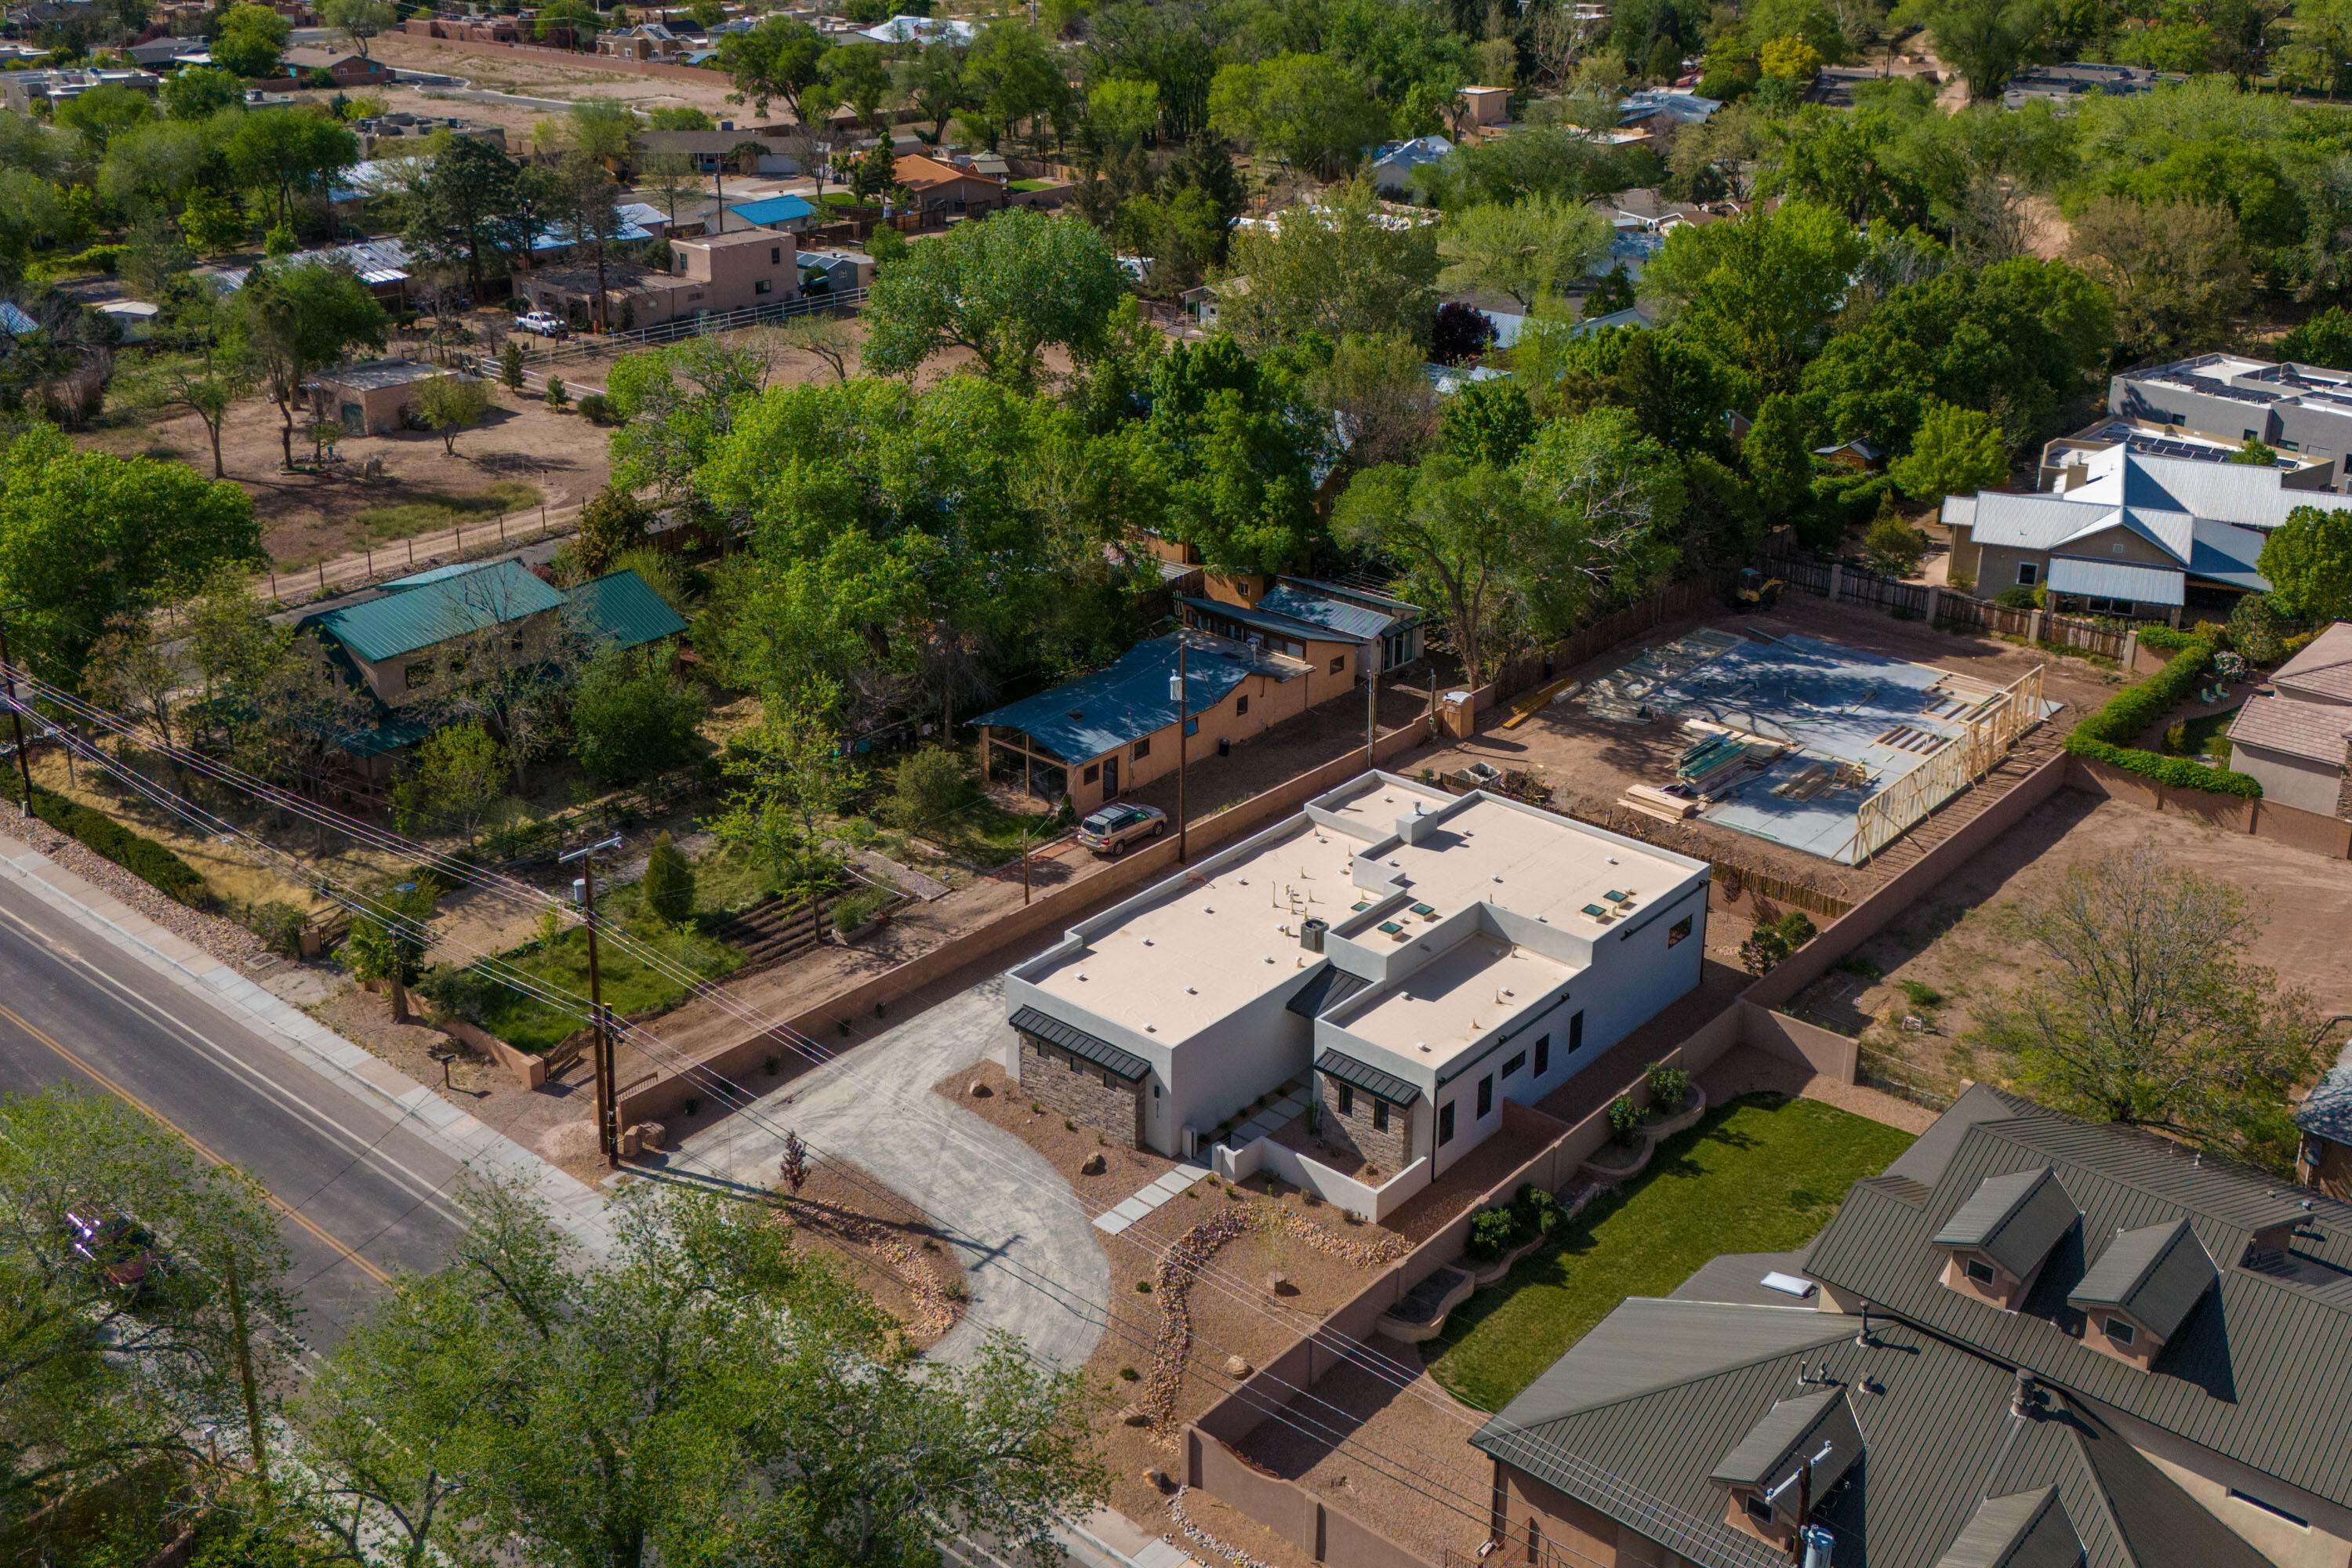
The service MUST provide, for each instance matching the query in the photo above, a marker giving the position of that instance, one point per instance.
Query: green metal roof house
(410, 646)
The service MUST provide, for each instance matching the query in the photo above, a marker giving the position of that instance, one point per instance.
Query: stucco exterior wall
(1567, 1532)
(1996, 568)
(1269, 702)
(2298, 781)
(2325, 1541)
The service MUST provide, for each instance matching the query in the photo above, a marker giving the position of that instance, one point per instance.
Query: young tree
(670, 177)
(1377, 391)
(451, 404)
(669, 885)
(100, 1380)
(1526, 250)
(822, 337)
(88, 538)
(777, 61)
(1892, 548)
(723, 1383)
(2147, 1011)
(2308, 560)
(137, 672)
(206, 384)
(460, 777)
(510, 365)
(613, 522)
(297, 321)
(389, 937)
(1957, 452)
(926, 787)
(630, 720)
(1004, 289)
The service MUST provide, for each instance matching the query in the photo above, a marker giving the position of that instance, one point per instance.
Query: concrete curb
(578, 1209)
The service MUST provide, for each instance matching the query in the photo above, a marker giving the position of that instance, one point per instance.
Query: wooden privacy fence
(1950, 606)
(1988, 731)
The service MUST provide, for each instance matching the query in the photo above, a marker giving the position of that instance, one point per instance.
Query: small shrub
(1771, 944)
(2018, 598)
(2176, 739)
(1669, 1086)
(1143, 1286)
(599, 409)
(1537, 1211)
(693, 1105)
(1857, 964)
(558, 395)
(1491, 1234)
(1129, 1374)
(1068, 1125)
(1625, 1119)
(279, 925)
(955, 1290)
(855, 908)
(1921, 994)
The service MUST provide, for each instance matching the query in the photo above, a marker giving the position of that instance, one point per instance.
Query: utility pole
(1181, 690)
(245, 1377)
(1371, 702)
(15, 714)
(608, 1131)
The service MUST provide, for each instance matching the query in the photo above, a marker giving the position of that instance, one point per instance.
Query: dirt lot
(1961, 942)
(531, 75)
(1589, 762)
(522, 455)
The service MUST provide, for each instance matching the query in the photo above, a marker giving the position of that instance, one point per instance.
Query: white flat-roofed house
(1422, 957)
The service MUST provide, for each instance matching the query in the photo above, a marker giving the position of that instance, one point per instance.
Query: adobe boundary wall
(2288, 824)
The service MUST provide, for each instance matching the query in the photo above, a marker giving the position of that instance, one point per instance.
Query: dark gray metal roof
(2023, 1530)
(2260, 1371)
(1368, 1079)
(2015, 1219)
(1738, 1278)
(2157, 1273)
(1077, 1042)
(1937, 1420)
(1932, 1149)
(1787, 1434)
(1332, 986)
(2326, 1112)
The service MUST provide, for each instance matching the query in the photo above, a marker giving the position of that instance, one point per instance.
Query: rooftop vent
(1311, 934)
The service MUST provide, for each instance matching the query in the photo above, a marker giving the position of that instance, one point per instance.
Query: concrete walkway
(1028, 1251)
(1147, 1198)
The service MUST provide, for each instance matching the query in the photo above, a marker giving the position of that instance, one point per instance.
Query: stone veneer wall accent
(1386, 1150)
(1074, 1088)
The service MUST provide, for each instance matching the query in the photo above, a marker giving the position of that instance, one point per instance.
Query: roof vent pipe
(1311, 934)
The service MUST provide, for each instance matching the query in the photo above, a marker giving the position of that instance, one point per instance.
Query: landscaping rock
(1135, 1415)
(979, 1090)
(1280, 1285)
(1157, 1479)
(650, 1134)
(1236, 1367)
(1093, 1165)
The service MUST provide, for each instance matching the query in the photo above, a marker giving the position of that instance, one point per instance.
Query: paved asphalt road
(358, 1195)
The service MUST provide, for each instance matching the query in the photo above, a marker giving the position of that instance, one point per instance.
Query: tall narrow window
(1575, 1031)
(1347, 1100)
(1485, 1097)
(1380, 1114)
(1445, 1122)
(1543, 1056)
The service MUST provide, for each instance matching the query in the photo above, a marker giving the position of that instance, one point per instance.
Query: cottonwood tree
(357, 21)
(288, 152)
(98, 1379)
(1333, 267)
(2145, 1010)
(460, 776)
(680, 401)
(1005, 290)
(705, 1380)
(2308, 560)
(1758, 293)
(1461, 531)
(777, 61)
(2176, 269)
(793, 781)
(1526, 250)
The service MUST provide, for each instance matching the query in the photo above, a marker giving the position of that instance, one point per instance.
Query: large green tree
(2308, 560)
(287, 153)
(87, 538)
(1229, 455)
(1006, 290)
(776, 62)
(1525, 249)
(99, 1378)
(1986, 40)
(1334, 267)
(1760, 293)
(462, 211)
(1462, 533)
(1309, 112)
(706, 1383)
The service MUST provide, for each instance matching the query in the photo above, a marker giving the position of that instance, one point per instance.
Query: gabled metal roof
(2117, 580)
(1785, 1436)
(2014, 1219)
(622, 607)
(1078, 1043)
(2156, 1273)
(1371, 1079)
(1081, 719)
(2023, 1530)
(437, 611)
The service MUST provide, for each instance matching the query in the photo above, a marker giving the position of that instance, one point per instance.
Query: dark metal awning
(1371, 1079)
(1078, 1043)
(1325, 992)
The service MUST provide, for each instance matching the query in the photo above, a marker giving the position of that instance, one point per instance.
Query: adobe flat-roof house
(2301, 408)
(2032, 1343)
(2130, 533)
(2299, 740)
(1425, 957)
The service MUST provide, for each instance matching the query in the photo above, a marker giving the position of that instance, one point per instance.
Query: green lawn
(1758, 1174)
(1033, 185)
(530, 1025)
(838, 199)
(2210, 734)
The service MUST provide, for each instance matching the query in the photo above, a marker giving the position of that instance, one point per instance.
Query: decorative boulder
(1280, 1285)
(1135, 1415)
(979, 1090)
(1236, 1367)
(650, 1134)
(1093, 1165)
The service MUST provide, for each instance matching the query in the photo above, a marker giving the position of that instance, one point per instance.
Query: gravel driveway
(1029, 1252)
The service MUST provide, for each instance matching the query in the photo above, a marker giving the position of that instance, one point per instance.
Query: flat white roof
(1455, 1000)
(1200, 948)
(1544, 867)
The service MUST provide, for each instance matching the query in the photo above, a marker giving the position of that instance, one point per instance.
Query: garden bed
(889, 1248)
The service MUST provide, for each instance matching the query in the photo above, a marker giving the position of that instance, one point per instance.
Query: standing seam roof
(434, 612)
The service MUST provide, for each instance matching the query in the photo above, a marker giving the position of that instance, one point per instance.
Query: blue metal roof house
(408, 649)
(1106, 734)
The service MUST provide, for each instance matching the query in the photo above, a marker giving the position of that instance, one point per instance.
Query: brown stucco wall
(1386, 1150)
(1070, 1087)
(1270, 702)
(1569, 1532)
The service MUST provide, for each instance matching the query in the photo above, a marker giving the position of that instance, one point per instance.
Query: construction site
(1823, 748)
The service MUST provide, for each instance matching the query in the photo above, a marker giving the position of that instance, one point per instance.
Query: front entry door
(1110, 777)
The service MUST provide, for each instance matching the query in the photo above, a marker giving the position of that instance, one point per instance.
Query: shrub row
(142, 857)
(2104, 736)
